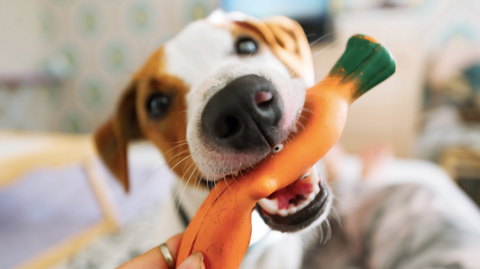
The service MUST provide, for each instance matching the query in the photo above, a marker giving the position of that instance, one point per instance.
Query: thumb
(194, 261)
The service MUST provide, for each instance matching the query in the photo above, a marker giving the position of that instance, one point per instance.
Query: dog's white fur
(203, 56)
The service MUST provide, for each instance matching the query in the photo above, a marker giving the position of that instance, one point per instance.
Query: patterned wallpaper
(95, 45)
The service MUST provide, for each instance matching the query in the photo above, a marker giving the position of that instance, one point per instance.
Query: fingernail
(194, 261)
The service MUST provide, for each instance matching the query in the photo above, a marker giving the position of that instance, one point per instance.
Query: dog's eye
(246, 45)
(157, 105)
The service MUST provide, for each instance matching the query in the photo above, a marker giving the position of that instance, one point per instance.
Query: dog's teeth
(304, 176)
(282, 212)
(269, 205)
(294, 129)
(310, 177)
(292, 210)
(235, 174)
(316, 189)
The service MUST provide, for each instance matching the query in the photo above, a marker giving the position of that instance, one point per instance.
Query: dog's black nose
(244, 115)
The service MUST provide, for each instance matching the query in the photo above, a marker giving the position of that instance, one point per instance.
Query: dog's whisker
(325, 232)
(195, 171)
(180, 154)
(183, 192)
(199, 179)
(320, 230)
(177, 146)
(175, 142)
(153, 172)
(309, 111)
(303, 126)
(158, 168)
(314, 93)
(333, 185)
(150, 168)
(302, 116)
(329, 230)
(323, 50)
(318, 40)
(189, 156)
(321, 38)
(176, 155)
(336, 216)
(225, 180)
(240, 171)
(188, 167)
(154, 162)
(289, 70)
(338, 200)
(216, 191)
(184, 142)
(176, 195)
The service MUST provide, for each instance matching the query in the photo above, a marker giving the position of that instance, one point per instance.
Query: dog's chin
(228, 164)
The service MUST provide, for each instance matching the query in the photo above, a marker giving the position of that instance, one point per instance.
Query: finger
(194, 261)
(154, 258)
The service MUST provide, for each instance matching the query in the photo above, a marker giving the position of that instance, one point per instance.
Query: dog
(216, 100)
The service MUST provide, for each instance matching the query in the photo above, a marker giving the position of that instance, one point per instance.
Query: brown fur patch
(169, 133)
(131, 122)
(286, 39)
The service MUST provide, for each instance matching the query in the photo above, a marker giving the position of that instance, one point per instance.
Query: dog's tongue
(292, 194)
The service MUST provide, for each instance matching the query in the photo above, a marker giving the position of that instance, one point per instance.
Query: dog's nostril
(263, 99)
(229, 127)
(244, 115)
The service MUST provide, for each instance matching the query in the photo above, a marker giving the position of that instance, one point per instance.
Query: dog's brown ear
(288, 41)
(112, 138)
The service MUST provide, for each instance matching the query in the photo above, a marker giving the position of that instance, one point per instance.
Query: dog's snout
(244, 115)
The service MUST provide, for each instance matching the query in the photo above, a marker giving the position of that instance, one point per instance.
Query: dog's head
(215, 99)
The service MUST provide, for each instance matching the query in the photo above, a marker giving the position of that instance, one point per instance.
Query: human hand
(153, 259)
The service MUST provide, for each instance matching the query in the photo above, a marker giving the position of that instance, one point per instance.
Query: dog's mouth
(296, 206)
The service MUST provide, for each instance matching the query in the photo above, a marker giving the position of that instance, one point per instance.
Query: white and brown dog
(215, 100)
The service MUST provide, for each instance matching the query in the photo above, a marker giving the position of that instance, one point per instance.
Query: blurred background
(63, 64)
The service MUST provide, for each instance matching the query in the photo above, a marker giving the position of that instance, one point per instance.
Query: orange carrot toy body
(221, 228)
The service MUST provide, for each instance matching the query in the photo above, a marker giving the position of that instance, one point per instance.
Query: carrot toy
(222, 226)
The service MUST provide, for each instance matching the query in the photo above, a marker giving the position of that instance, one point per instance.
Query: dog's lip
(301, 219)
